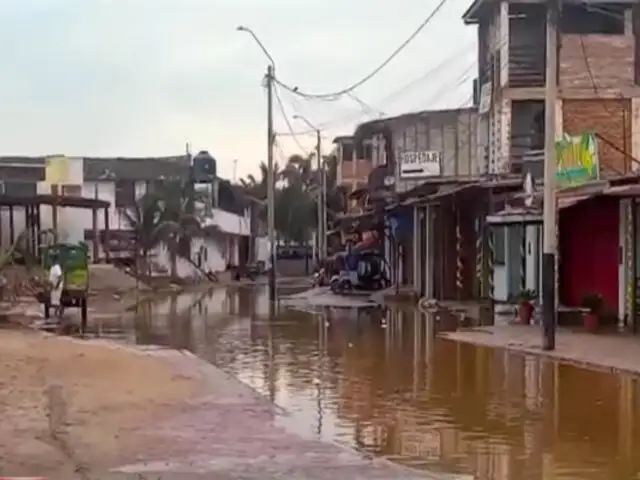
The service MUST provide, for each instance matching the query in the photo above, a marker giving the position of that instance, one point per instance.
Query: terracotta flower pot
(525, 312)
(590, 322)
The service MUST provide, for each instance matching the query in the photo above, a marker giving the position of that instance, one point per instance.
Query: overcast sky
(142, 77)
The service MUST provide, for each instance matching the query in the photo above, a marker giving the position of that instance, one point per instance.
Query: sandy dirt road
(66, 405)
(74, 409)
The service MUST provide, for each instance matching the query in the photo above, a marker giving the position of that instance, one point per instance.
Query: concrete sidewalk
(610, 352)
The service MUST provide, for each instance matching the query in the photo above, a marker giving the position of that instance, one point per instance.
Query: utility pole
(271, 201)
(321, 236)
(191, 180)
(550, 163)
(323, 195)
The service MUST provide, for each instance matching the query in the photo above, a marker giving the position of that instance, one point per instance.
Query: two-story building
(598, 80)
(118, 183)
(353, 170)
(597, 106)
(427, 163)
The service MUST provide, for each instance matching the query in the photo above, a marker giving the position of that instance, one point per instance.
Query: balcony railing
(528, 160)
(527, 65)
(356, 170)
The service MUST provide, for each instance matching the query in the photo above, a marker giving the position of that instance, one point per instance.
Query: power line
(593, 80)
(394, 54)
(287, 122)
(367, 110)
(428, 73)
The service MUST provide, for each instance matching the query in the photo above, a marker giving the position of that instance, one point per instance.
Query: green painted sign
(577, 157)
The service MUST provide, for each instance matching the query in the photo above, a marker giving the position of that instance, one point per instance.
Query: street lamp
(322, 198)
(271, 221)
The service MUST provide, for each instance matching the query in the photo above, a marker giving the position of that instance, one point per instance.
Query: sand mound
(57, 395)
(107, 278)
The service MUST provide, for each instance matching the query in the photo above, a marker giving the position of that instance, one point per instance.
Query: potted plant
(593, 304)
(525, 306)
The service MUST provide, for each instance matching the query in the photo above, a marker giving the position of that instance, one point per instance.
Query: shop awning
(532, 215)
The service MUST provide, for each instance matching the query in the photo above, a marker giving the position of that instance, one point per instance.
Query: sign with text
(62, 170)
(420, 164)
(577, 159)
(56, 170)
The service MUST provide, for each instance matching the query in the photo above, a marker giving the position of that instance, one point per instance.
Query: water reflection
(381, 382)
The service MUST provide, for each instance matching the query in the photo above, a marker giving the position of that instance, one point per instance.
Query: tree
(144, 219)
(161, 218)
(257, 188)
(297, 195)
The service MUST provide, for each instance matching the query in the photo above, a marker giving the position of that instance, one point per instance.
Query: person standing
(56, 282)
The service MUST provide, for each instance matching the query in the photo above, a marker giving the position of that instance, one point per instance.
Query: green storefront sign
(577, 157)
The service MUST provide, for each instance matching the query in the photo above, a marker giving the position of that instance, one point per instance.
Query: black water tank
(204, 167)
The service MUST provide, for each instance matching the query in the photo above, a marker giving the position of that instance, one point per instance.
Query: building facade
(353, 170)
(598, 80)
(418, 155)
(121, 182)
(598, 84)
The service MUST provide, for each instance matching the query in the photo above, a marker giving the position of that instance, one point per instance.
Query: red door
(589, 251)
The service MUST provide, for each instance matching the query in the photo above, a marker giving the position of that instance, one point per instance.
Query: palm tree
(145, 219)
(180, 222)
(163, 218)
(257, 188)
(299, 171)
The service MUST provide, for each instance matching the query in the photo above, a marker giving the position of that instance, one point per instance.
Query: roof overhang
(472, 15)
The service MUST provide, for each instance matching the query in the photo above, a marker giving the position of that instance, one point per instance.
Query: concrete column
(635, 132)
(503, 45)
(628, 22)
(625, 207)
(416, 249)
(428, 260)
(504, 157)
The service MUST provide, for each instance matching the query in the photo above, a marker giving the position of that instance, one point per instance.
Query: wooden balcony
(527, 65)
(355, 171)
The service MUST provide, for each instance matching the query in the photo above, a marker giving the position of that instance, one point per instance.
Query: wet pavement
(380, 382)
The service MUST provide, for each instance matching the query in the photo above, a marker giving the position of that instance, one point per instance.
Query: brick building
(598, 80)
(353, 170)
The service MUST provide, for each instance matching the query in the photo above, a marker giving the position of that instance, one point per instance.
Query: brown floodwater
(381, 382)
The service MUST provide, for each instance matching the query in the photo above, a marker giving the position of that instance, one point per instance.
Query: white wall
(261, 247)
(72, 223)
(215, 259)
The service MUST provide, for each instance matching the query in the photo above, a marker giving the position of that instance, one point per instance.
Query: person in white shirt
(56, 281)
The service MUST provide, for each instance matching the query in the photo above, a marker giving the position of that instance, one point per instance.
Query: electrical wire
(594, 83)
(367, 109)
(287, 122)
(394, 54)
(428, 73)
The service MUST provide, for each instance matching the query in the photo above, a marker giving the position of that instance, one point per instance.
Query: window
(125, 193)
(19, 189)
(347, 152)
(71, 190)
(607, 19)
(368, 150)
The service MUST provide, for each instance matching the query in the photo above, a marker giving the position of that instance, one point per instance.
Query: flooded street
(379, 381)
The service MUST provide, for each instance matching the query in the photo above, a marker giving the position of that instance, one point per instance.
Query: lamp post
(271, 220)
(322, 197)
